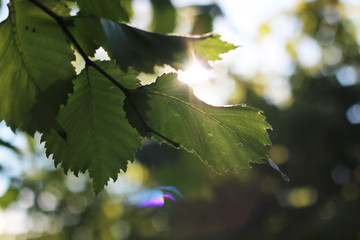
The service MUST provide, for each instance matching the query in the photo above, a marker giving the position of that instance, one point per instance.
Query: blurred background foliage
(316, 142)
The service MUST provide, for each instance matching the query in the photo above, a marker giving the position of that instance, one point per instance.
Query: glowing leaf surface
(224, 137)
(143, 50)
(100, 139)
(35, 68)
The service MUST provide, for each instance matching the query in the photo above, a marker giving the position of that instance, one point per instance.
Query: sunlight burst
(195, 74)
(201, 77)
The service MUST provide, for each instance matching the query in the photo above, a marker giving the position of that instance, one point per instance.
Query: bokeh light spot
(76, 203)
(347, 76)
(279, 154)
(47, 201)
(302, 197)
(120, 229)
(308, 52)
(160, 221)
(331, 14)
(340, 174)
(353, 114)
(332, 55)
(137, 173)
(350, 192)
(26, 198)
(112, 210)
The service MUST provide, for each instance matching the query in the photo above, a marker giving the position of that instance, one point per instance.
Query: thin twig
(88, 62)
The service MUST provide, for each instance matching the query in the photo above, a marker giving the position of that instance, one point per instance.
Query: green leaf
(203, 22)
(110, 9)
(163, 9)
(211, 47)
(224, 137)
(143, 50)
(100, 139)
(35, 68)
(87, 32)
(60, 7)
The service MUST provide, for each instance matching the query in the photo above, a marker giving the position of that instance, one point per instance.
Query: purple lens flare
(153, 197)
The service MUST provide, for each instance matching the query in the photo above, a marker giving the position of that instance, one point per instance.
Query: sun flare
(201, 78)
(195, 74)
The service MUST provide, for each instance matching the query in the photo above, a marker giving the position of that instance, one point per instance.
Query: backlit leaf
(35, 68)
(100, 139)
(163, 9)
(87, 32)
(109, 9)
(225, 137)
(143, 50)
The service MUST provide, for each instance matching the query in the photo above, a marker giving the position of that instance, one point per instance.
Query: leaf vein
(200, 111)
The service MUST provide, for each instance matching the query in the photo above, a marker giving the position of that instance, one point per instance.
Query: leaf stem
(88, 62)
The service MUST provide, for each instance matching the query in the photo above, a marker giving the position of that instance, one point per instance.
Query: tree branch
(88, 62)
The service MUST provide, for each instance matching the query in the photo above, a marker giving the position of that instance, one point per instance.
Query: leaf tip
(228, 45)
(98, 187)
(274, 166)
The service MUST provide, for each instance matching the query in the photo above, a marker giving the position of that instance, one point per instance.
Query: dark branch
(88, 62)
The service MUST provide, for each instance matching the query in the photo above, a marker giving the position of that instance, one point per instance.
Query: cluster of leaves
(96, 120)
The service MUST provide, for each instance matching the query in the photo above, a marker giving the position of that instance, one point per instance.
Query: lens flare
(154, 197)
(197, 72)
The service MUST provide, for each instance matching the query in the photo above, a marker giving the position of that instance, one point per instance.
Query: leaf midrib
(93, 130)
